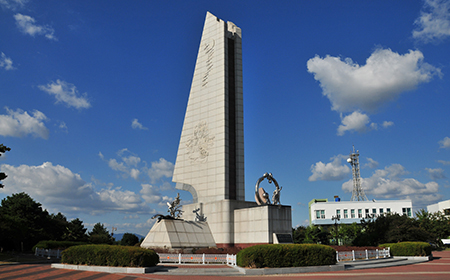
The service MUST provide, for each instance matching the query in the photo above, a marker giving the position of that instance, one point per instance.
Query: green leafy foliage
(23, 223)
(436, 224)
(311, 235)
(286, 255)
(348, 233)
(389, 229)
(108, 255)
(409, 248)
(129, 239)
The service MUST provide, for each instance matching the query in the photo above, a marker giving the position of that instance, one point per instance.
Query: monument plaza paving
(438, 268)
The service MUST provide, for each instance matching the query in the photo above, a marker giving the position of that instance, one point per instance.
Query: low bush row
(286, 255)
(409, 248)
(109, 255)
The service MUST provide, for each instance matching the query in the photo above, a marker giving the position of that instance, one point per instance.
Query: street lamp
(336, 219)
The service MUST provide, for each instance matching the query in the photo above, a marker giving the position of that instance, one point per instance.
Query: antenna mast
(357, 193)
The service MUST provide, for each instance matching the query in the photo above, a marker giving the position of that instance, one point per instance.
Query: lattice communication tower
(357, 193)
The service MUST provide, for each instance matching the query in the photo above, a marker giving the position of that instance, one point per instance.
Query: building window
(406, 211)
(352, 213)
(359, 213)
(388, 210)
(446, 212)
(338, 213)
(381, 211)
(345, 213)
(374, 212)
(320, 214)
(367, 214)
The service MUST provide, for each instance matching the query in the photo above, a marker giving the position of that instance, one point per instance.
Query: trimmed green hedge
(50, 244)
(286, 255)
(409, 248)
(110, 255)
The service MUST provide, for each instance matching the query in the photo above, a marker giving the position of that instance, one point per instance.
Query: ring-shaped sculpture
(262, 197)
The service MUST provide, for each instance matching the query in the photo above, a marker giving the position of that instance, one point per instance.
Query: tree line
(390, 228)
(23, 223)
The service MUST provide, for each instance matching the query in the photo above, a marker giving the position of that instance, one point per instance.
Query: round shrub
(286, 255)
(409, 248)
(109, 255)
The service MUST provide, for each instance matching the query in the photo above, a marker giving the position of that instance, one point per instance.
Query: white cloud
(332, 171)
(136, 125)
(382, 79)
(387, 124)
(13, 4)
(445, 143)
(6, 62)
(355, 121)
(444, 162)
(371, 163)
(150, 194)
(359, 122)
(388, 183)
(66, 93)
(436, 173)
(159, 169)
(27, 25)
(57, 187)
(131, 165)
(134, 173)
(148, 224)
(19, 124)
(128, 164)
(434, 23)
(117, 166)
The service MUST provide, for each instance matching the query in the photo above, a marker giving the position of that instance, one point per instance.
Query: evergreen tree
(100, 235)
(23, 222)
(75, 231)
(56, 226)
(129, 239)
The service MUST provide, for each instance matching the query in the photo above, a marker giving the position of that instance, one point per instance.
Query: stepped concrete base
(108, 269)
(179, 234)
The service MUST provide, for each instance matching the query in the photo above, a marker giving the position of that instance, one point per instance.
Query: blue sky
(94, 94)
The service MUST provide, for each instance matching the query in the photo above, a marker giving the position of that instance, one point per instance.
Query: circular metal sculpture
(261, 196)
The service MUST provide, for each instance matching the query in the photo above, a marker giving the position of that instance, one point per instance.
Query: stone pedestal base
(179, 234)
(243, 223)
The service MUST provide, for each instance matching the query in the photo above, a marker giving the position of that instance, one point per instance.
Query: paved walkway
(438, 268)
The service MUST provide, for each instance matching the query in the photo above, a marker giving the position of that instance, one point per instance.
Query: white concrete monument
(210, 159)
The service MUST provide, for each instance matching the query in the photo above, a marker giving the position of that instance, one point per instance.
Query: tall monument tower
(210, 158)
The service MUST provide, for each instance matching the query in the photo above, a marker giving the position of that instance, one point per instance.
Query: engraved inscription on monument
(199, 144)
(208, 48)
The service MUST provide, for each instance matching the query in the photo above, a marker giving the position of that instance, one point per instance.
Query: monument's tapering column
(210, 159)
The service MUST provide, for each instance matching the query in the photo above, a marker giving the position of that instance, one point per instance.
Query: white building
(324, 212)
(443, 207)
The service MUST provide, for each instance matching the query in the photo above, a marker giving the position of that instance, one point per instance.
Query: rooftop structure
(324, 212)
(442, 206)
